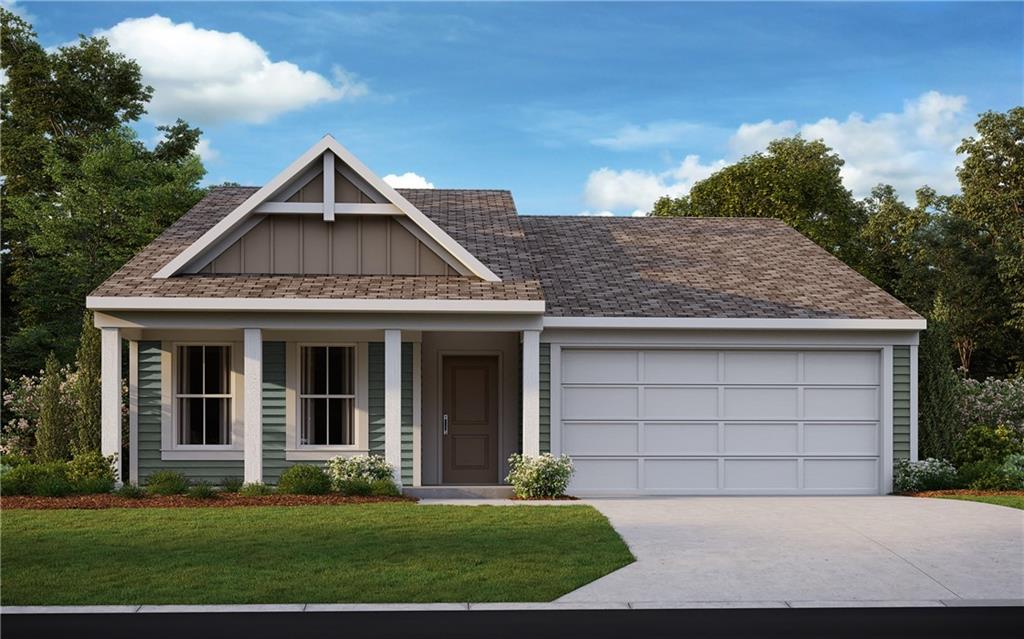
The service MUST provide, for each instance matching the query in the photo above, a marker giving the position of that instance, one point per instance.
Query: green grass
(306, 554)
(1012, 501)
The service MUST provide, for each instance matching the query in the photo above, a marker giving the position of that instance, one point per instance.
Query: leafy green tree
(938, 408)
(895, 254)
(107, 205)
(795, 180)
(87, 389)
(53, 433)
(57, 110)
(992, 183)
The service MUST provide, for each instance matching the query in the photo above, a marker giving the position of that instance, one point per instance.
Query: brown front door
(469, 420)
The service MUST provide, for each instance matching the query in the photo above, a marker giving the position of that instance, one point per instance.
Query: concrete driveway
(812, 551)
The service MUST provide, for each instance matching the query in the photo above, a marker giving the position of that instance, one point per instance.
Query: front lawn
(1012, 501)
(305, 554)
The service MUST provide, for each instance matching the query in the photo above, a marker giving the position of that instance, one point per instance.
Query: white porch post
(531, 393)
(393, 401)
(110, 390)
(253, 412)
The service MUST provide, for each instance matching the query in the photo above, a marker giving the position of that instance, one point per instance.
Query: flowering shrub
(369, 468)
(988, 444)
(993, 401)
(929, 474)
(21, 410)
(543, 476)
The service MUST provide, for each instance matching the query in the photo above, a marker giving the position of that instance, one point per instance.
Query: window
(327, 396)
(203, 395)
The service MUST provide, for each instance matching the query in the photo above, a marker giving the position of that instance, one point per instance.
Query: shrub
(938, 389)
(928, 474)
(384, 488)
(167, 482)
(993, 401)
(86, 389)
(976, 473)
(1006, 476)
(988, 444)
(90, 465)
(44, 480)
(202, 490)
(53, 431)
(255, 489)
(304, 479)
(543, 476)
(366, 467)
(14, 459)
(231, 484)
(355, 487)
(130, 491)
(92, 486)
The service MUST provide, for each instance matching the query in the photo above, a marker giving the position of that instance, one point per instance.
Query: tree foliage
(53, 436)
(87, 390)
(795, 180)
(81, 193)
(938, 399)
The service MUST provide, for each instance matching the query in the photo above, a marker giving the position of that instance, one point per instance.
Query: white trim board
(312, 305)
(192, 256)
(736, 323)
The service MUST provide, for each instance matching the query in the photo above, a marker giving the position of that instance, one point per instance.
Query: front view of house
(328, 314)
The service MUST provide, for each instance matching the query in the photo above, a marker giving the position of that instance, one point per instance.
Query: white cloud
(656, 134)
(638, 190)
(206, 150)
(907, 149)
(208, 76)
(408, 180)
(596, 213)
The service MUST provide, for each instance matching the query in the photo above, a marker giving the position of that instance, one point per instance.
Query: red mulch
(559, 498)
(223, 500)
(976, 493)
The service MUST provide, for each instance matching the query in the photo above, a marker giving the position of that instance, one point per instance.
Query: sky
(576, 108)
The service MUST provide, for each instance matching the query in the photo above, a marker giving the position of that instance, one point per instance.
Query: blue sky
(574, 107)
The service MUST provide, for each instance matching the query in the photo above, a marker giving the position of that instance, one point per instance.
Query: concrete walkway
(813, 550)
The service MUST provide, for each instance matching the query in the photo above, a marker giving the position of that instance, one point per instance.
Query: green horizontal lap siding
(375, 400)
(150, 409)
(901, 402)
(274, 419)
(545, 397)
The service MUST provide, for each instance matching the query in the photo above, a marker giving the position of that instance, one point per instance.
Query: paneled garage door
(722, 421)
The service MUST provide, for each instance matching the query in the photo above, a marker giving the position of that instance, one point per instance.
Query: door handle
(444, 423)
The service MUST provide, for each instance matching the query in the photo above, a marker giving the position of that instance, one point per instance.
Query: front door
(469, 420)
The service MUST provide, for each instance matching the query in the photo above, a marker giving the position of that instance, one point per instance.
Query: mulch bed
(976, 493)
(224, 500)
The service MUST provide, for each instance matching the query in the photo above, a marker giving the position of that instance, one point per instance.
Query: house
(328, 314)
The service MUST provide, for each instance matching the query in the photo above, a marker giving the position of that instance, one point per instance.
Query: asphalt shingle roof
(580, 266)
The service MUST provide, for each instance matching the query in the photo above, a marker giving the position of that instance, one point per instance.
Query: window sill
(177, 454)
(318, 453)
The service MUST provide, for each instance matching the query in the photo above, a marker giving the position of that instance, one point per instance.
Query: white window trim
(294, 450)
(170, 449)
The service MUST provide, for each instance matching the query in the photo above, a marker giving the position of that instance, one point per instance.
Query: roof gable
(289, 193)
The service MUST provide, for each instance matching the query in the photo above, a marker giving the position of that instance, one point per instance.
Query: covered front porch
(445, 398)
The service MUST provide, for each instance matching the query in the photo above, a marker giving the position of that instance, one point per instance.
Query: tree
(87, 389)
(895, 256)
(106, 205)
(55, 109)
(992, 183)
(796, 180)
(53, 436)
(938, 423)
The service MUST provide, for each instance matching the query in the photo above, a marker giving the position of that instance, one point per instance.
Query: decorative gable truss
(327, 213)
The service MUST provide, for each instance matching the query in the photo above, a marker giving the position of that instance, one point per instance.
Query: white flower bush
(361, 467)
(543, 476)
(993, 401)
(927, 474)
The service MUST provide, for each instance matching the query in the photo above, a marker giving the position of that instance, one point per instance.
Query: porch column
(253, 412)
(531, 393)
(393, 401)
(110, 391)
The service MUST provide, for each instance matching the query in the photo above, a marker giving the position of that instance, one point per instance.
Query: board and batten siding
(375, 407)
(150, 409)
(274, 412)
(901, 402)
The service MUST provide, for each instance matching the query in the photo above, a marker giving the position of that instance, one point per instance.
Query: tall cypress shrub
(53, 434)
(938, 393)
(87, 389)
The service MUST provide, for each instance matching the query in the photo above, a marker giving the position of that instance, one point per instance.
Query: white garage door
(725, 422)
